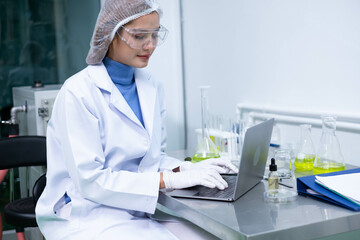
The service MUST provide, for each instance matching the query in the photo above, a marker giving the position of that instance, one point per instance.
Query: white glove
(219, 164)
(206, 177)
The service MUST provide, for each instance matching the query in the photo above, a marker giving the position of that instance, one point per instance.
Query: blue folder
(308, 182)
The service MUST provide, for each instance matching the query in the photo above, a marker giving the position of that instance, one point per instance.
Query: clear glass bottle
(329, 157)
(273, 176)
(305, 156)
(206, 147)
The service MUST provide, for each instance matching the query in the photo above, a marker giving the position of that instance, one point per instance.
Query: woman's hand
(219, 164)
(205, 177)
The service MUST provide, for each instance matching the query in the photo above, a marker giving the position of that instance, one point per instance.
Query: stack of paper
(341, 188)
(346, 185)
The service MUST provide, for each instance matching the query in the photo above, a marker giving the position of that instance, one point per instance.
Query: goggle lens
(140, 38)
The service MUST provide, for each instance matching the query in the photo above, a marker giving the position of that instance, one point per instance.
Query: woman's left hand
(221, 165)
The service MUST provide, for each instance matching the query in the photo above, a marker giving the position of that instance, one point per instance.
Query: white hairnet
(114, 14)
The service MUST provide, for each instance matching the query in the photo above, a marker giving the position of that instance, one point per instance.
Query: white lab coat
(105, 160)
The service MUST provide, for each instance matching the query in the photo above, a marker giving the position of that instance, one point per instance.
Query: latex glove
(205, 177)
(221, 165)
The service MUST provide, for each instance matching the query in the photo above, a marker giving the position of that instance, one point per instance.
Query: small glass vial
(273, 176)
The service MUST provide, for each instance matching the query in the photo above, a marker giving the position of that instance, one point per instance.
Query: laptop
(251, 168)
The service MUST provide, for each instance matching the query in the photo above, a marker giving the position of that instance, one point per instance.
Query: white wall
(301, 54)
(166, 65)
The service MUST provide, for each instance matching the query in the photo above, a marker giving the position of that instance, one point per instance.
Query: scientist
(106, 137)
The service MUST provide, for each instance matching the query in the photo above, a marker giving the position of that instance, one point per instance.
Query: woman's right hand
(205, 177)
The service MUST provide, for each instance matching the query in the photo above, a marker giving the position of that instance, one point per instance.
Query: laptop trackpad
(183, 192)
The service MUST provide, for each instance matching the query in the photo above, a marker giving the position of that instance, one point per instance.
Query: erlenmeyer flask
(206, 147)
(305, 157)
(329, 157)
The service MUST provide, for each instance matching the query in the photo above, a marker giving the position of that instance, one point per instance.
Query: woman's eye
(155, 35)
(139, 36)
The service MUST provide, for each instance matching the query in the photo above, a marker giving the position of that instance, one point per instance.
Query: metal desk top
(250, 217)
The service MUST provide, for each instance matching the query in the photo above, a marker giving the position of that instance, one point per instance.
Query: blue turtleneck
(123, 77)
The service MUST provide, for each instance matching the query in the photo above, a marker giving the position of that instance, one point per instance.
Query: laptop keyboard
(215, 192)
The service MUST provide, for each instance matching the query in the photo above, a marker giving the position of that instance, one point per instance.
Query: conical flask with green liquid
(205, 148)
(305, 156)
(328, 157)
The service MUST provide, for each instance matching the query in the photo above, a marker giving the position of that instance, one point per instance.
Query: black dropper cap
(273, 166)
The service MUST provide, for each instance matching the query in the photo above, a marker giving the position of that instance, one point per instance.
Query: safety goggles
(140, 38)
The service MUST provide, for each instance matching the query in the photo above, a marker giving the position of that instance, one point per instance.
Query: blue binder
(308, 182)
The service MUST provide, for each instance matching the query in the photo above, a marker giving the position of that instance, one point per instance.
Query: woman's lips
(144, 57)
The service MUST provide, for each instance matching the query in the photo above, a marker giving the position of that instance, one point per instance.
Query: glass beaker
(329, 157)
(283, 162)
(206, 147)
(305, 157)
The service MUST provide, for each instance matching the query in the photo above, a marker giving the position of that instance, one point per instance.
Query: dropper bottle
(273, 176)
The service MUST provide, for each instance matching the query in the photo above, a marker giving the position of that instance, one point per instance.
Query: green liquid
(305, 164)
(328, 167)
(200, 156)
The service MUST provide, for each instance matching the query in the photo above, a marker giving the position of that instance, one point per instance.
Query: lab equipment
(216, 128)
(139, 38)
(227, 135)
(241, 134)
(251, 169)
(284, 166)
(205, 148)
(273, 178)
(112, 16)
(34, 121)
(233, 141)
(329, 157)
(276, 136)
(274, 194)
(305, 156)
(39, 102)
(280, 195)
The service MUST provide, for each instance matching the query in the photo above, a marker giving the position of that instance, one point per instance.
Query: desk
(250, 217)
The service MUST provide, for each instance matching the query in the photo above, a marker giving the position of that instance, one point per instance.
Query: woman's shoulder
(79, 78)
(86, 79)
(79, 85)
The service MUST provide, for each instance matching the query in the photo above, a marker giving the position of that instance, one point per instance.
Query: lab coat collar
(100, 76)
(147, 96)
(146, 92)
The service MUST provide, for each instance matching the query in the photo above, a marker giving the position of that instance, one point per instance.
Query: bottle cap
(273, 166)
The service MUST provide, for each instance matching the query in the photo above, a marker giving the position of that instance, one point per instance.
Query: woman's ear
(111, 49)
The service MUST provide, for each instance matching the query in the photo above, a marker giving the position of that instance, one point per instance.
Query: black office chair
(23, 151)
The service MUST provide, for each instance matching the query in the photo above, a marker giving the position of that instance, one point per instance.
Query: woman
(106, 137)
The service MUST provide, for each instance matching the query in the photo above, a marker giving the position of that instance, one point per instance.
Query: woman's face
(121, 52)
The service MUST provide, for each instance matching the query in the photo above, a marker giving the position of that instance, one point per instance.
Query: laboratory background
(291, 60)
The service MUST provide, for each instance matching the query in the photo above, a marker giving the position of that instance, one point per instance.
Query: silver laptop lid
(253, 157)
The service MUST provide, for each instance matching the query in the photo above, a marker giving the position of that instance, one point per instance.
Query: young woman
(106, 137)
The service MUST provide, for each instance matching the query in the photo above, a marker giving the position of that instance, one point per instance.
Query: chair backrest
(22, 151)
(39, 187)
